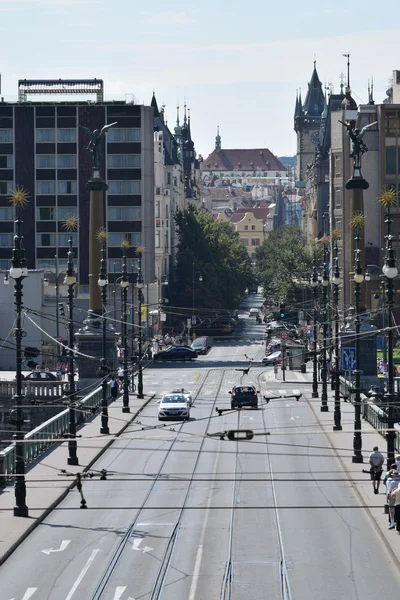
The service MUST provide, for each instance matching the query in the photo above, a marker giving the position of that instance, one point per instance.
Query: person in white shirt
(376, 460)
(397, 459)
(391, 484)
(396, 499)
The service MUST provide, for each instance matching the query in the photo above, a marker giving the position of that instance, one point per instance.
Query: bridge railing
(39, 389)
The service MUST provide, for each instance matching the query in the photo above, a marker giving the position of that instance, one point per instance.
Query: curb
(65, 493)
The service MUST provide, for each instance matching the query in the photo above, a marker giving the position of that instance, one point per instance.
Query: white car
(173, 406)
(188, 395)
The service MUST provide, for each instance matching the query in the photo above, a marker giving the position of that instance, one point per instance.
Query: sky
(238, 65)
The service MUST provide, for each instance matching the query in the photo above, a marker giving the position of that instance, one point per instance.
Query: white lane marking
(82, 573)
(28, 594)
(64, 545)
(282, 392)
(136, 544)
(119, 591)
(154, 524)
(196, 573)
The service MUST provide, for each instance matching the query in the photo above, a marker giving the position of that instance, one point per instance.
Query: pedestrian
(396, 499)
(391, 485)
(276, 369)
(121, 376)
(397, 459)
(114, 388)
(376, 460)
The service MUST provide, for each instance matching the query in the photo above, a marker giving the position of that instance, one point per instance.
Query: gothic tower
(307, 119)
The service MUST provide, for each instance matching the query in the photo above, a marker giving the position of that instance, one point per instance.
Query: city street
(186, 515)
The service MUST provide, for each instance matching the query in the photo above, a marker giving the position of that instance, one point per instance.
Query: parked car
(201, 345)
(40, 376)
(176, 353)
(244, 395)
(271, 359)
(188, 395)
(173, 406)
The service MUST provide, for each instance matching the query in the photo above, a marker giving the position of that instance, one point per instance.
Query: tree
(214, 249)
(282, 263)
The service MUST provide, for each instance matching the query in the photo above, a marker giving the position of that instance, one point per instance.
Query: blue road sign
(348, 359)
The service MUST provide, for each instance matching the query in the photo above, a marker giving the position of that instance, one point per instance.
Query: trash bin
(303, 368)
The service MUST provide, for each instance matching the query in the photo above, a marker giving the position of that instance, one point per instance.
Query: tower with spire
(307, 120)
(218, 141)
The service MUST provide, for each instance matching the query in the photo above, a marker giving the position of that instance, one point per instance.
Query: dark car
(176, 353)
(244, 395)
(40, 376)
(201, 345)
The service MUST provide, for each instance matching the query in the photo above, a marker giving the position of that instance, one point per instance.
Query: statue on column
(94, 145)
(358, 146)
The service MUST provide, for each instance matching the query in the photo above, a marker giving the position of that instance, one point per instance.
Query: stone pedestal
(357, 184)
(90, 341)
(97, 187)
(368, 349)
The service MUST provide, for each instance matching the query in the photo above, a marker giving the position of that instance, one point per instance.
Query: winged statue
(95, 139)
(358, 146)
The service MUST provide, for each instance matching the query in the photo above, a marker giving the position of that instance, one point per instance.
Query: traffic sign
(349, 359)
(283, 335)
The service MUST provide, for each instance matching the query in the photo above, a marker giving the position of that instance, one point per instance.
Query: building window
(158, 212)
(45, 135)
(255, 241)
(124, 161)
(66, 161)
(46, 239)
(115, 265)
(168, 178)
(338, 225)
(66, 135)
(175, 181)
(338, 198)
(126, 134)
(45, 161)
(48, 264)
(66, 211)
(6, 187)
(392, 124)
(66, 187)
(45, 187)
(6, 213)
(158, 191)
(337, 165)
(244, 241)
(45, 213)
(391, 160)
(246, 227)
(253, 227)
(158, 239)
(63, 239)
(6, 162)
(115, 239)
(124, 187)
(6, 239)
(124, 213)
(6, 136)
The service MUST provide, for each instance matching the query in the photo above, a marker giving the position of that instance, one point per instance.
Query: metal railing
(40, 439)
(37, 389)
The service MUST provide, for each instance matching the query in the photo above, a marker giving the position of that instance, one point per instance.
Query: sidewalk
(340, 440)
(48, 492)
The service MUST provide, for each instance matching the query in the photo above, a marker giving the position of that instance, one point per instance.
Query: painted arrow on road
(29, 593)
(64, 544)
(119, 591)
(136, 544)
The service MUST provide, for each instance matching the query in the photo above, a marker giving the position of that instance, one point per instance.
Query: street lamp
(18, 272)
(124, 284)
(104, 370)
(325, 284)
(160, 300)
(314, 285)
(335, 279)
(139, 285)
(358, 280)
(70, 281)
(390, 272)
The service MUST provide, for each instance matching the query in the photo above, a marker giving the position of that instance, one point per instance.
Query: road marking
(196, 573)
(82, 574)
(154, 524)
(136, 544)
(119, 591)
(29, 593)
(64, 545)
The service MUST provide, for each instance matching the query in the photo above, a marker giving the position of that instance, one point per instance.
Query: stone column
(97, 187)
(357, 184)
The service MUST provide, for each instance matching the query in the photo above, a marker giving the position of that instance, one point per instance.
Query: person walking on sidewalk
(276, 369)
(396, 500)
(392, 484)
(114, 388)
(376, 460)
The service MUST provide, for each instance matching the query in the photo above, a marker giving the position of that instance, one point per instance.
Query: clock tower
(307, 120)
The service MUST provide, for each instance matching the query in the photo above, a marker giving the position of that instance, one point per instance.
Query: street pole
(70, 281)
(133, 326)
(18, 272)
(358, 279)
(325, 284)
(314, 285)
(384, 324)
(57, 300)
(390, 272)
(337, 415)
(124, 283)
(104, 370)
(139, 285)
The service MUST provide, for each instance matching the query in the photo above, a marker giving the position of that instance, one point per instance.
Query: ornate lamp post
(18, 272)
(357, 222)
(325, 284)
(124, 283)
(139, 285)
(314, 285)
(104, 370)
(335, 279)
(57, 288)
(71, 224)
(388, 199)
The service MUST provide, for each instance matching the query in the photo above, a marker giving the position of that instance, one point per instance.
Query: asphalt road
(184, 516)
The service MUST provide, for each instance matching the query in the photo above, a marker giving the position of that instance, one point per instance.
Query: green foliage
(214, 249)
(281, 258)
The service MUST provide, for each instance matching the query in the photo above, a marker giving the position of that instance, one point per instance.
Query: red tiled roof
(258, 159)
(260, 214)
(225, 193)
